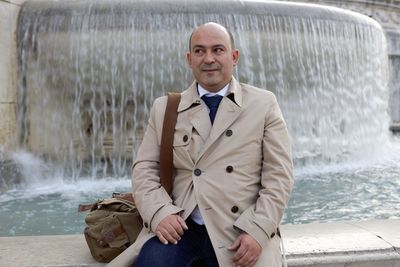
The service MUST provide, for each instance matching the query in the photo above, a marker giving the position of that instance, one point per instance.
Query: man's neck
(221, 92)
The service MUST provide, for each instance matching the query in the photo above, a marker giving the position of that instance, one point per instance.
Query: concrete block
(15, 2)
(343, 244)
(390, 232)
(7, 125)
(393, 41)
(394, 86)
(8, 51)
(63, 250)
(18, 2)
(329, 238)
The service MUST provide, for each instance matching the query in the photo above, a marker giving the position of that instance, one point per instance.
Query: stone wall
(8, 66)
(387, 13)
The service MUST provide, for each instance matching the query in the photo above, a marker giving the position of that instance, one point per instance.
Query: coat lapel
(228, 111)
(200, 121)
(198, 113)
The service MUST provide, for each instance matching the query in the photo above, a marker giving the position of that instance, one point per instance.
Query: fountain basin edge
(349, 243)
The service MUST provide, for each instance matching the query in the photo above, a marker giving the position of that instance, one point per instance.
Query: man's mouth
(209, 70)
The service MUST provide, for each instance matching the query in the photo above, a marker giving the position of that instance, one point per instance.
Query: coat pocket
(182, 136)
(187, 145)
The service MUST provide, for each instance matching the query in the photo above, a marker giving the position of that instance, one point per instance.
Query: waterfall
(89, 71)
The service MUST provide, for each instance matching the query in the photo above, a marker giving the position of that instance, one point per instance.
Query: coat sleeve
(262, 219)
(152, 201)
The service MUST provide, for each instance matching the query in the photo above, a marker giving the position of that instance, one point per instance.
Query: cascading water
(89, 71)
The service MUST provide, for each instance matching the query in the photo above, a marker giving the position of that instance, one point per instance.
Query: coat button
(234, 209)
(146, 225)
(228, 133)
(229, 169)
(272, 235)
(197, 172)
(185, 138)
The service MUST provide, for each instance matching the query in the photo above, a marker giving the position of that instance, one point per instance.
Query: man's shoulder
(160, 100)
(253, 91)
(159, 104)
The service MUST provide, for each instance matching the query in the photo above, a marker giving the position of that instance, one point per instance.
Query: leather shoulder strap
(167, 139)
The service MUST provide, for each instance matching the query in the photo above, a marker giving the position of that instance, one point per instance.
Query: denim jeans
(193, 250)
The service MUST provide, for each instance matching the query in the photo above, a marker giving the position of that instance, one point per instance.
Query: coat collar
(229, 110)
(235, 93)
(190, 97)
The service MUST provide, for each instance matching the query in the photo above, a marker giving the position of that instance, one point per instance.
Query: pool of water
(52, 208)
(357, 193)
(366, 190)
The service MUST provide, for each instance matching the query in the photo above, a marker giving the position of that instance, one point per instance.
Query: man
(233, 171)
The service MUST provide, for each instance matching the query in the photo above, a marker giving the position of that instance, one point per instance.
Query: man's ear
(189, 59)
(235, 55)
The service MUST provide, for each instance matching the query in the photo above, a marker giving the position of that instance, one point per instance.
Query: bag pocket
(112, 225)
(107, 238)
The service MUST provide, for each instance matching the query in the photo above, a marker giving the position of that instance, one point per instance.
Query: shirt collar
(221, 92)
(190, 97)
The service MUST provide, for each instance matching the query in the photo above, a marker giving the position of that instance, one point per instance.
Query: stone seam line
(371, 232)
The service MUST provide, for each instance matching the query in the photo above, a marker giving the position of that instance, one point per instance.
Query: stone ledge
(35, 251)
(343, 244)
(369, 243)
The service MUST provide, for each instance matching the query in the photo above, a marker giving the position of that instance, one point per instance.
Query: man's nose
(209, 58)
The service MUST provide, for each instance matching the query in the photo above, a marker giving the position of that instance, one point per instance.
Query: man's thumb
(235, 244)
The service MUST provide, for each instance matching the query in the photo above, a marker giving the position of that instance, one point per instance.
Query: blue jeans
(193, 250)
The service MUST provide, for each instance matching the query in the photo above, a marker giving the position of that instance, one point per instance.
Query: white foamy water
(354, 191)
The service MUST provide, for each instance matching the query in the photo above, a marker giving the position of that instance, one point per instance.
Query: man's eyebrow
(198, 46)
(213, 46)
(219, 46)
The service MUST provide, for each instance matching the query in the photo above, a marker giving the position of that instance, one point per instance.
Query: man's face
(211, 57)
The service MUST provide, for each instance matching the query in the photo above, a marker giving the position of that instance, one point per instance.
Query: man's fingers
(168, 236)
(254, 260)
(173, 223)
(170, 229)
(182, 223)
(179, 225)
(235, 244)
(173, 232)
(240, 253)
(176, 228)
(247, 251)
(161, 238)
(247, 260)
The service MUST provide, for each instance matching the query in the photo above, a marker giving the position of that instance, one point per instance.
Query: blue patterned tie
(212, 103)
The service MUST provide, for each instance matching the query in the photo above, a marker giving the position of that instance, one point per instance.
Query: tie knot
(212, 101)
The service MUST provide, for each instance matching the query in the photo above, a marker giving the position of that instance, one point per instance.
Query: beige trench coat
(238, 171)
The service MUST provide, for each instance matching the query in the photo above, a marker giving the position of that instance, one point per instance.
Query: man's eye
(198, 51)
(218, 50)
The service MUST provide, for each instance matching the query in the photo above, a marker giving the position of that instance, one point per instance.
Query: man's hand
(247, 251)
(170, 229)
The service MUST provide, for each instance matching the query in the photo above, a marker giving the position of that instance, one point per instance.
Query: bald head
(214, 26)
(212, 56)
